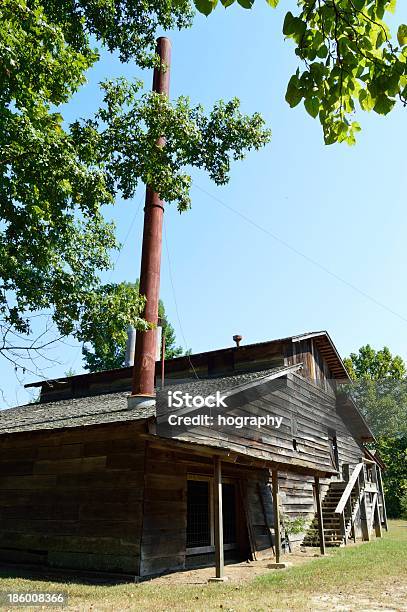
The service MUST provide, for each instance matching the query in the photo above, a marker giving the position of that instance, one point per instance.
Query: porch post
(218, 520)
(363, 508)
(382, 498)
(319, 516)
(276, 512)
(377, 519)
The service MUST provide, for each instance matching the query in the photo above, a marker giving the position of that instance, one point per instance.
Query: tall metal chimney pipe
(145, 354)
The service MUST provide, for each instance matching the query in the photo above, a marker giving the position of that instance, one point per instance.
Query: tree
(105, 328)
(369, 364)
(55, 179)
(380, 391)
(348, 60)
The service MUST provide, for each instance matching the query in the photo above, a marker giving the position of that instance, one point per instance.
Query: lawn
(371, 576)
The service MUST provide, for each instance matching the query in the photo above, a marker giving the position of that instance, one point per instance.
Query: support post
(146, 349)
(319, 515)
(377, 520)
(218, 521)
(276, 512)
(363, 509)
(382, 498)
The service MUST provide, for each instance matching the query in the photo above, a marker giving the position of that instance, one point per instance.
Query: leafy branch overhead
(349, 60)
(104, 327)
(192, 139)
(55, 179)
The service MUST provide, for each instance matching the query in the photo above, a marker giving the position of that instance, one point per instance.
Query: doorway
(200, 540)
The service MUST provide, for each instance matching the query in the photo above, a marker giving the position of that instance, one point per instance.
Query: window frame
(211, 548)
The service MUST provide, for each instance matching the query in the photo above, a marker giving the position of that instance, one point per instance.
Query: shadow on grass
(64, 576)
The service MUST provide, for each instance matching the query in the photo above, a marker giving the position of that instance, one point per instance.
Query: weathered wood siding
(308, 413)
(163, 545)
(73, 498)
(315, 367)
(214, 363)
(165, 513)
(314, 413)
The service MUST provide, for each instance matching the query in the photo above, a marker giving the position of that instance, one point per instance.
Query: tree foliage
(393, 451)
(192, 139)
(104, 329)
(126, 26)
(380, 391)
(349, 60)
(369, 364)
(55, 179)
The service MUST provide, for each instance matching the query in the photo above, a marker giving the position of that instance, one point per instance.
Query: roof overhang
(237, 455)
(326, 347)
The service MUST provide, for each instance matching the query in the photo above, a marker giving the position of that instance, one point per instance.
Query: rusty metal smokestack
(145, 355)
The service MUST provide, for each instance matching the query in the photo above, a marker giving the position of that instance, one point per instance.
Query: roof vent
(237, 339)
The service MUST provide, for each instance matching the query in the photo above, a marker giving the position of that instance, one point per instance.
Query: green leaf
(383, 105)
(359, 4)
(288, 26)
(293, 95)
(402, 35)
(227, 3)
(322, 51)
(380, 39)
(246, 4)
(273, 3)
(366, 101)
(312, 106)
(205, 6)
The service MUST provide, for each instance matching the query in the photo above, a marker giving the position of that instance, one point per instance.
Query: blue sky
(323, 242)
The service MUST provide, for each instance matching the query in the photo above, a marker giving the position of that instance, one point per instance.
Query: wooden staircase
(354, 504)
(332, 522)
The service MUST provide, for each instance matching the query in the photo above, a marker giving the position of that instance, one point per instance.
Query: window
(198, 517)
(200, 527)
(333, 448)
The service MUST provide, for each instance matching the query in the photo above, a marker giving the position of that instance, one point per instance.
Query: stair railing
(361, 482)
(355, 484)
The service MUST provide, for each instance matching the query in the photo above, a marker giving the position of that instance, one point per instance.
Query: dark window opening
(198, 522)
(295, 446)
(333, 448)
(229, 513)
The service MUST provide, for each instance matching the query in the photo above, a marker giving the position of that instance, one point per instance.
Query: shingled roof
(113, 407)
(74, 412)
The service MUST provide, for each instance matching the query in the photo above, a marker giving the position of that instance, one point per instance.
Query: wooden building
(87, 483)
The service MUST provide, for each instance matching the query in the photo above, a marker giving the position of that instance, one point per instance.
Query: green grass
(368, 576)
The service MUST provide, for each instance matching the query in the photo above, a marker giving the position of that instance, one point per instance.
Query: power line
(301, 254)
(175, 298)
